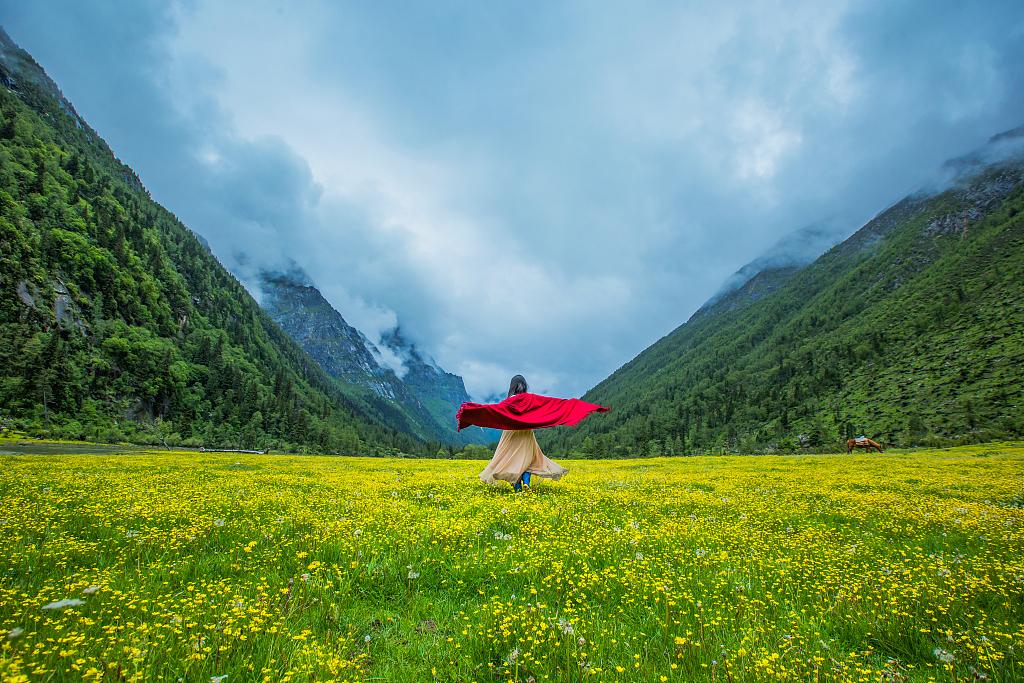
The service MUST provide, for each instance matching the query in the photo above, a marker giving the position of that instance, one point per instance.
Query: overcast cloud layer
(544, 188)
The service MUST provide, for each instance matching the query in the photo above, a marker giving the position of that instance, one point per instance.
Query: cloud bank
(538, 188)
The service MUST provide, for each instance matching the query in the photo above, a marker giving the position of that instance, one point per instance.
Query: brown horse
(866, 444)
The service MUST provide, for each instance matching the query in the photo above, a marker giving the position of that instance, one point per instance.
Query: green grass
(191, 566)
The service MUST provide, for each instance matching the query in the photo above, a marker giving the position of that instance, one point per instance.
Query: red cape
(526, 411)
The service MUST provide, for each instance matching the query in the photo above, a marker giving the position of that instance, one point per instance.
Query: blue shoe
(525, 479)
(518, 486)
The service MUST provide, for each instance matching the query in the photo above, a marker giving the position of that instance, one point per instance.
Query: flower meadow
(174, 566)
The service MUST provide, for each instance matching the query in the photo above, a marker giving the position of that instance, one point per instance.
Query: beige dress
(518, 452)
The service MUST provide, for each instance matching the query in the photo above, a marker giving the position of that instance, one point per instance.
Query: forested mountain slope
(116, 322)
(427, 395)
(910, 331)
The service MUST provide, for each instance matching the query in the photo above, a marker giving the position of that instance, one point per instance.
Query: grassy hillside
(117, 323)
(911, 331)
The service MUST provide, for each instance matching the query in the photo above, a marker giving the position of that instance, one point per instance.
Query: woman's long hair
(518, 385)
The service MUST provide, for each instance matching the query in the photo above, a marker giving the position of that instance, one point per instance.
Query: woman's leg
(526, 478)
(518, 486)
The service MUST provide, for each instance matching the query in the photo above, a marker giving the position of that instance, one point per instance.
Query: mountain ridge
(118, 323)
(425, 393)
(798, 364)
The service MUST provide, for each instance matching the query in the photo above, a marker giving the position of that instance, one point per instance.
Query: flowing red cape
(526, 411)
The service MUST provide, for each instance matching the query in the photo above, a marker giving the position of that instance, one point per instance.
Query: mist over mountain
(393, 370)
(798, 249)
(911, 330)
(788, 255)
(150, 332)
(631, 159)
(116, 320)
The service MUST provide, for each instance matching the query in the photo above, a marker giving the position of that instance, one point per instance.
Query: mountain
(308, 318)
(426, 395)
(773, 268)
(116, 322)
(911, 331)
(441, 392)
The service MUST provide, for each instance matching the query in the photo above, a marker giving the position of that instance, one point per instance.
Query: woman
(518, 455)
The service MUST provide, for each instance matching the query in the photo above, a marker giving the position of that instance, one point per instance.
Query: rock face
(440, 392)
(423, 391)
(340, 349)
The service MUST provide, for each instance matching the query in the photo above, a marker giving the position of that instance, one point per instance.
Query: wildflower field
(221, 567)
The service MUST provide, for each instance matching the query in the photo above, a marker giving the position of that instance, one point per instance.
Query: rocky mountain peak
(393, 369)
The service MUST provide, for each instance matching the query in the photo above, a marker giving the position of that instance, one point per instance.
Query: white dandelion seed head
(90, 590)
(15, 632)
(66, 602)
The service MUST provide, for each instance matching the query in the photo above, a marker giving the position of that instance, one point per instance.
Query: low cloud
(544, 189)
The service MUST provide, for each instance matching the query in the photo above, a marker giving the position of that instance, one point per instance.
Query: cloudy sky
(535, 187)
